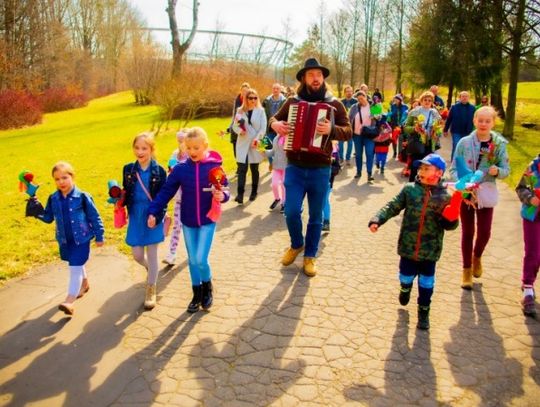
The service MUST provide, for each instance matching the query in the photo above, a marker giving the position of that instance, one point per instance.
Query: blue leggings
(425, 270)
(198, 244)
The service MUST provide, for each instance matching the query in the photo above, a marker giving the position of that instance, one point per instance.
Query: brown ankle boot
(466, 282)
(150, 297)
(477, 266)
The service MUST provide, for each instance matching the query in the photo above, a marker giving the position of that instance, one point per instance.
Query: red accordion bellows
(303, 118)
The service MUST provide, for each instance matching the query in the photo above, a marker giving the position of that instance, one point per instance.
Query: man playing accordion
(308, 169)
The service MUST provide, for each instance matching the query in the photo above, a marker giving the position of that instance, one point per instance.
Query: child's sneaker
(404, 295)
(170, 259)
(423, 317)
(528, 306)
(326, 226)
(274, 204)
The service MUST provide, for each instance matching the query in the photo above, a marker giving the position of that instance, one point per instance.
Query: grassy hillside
(96, 140)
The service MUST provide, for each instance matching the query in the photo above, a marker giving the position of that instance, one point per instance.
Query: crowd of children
(429, 208)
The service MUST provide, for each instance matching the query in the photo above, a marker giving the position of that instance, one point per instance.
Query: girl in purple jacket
(192, 177)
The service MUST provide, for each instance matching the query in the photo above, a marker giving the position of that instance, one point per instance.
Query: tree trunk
(450, 92)
(399, 79)
(353, 46)
(496, 87)
(514, 57)
(180, 49)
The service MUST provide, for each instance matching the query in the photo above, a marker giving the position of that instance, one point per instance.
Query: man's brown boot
(290, 255)
(309, 266)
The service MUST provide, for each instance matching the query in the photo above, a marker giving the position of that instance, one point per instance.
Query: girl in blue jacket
(77, 223)
(192, 177)
(142, 180)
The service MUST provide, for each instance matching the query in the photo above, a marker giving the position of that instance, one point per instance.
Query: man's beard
(313, 95)
(311, 89)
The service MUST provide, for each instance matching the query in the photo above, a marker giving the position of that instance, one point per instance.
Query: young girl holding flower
(142, 180)
(194, 177)
(483, 150)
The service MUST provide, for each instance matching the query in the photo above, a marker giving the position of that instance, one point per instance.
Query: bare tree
(355, 10)
(288, 32)
(180, 48)
(370, 10)
(146, 68)
(322, 12)
(521, 21)
(339, 45)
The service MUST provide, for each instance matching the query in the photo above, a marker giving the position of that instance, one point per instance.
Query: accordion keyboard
(291, 119)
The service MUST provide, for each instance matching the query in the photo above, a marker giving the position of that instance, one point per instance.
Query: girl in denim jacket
(483, 150)
(142, 180)
(77, 223)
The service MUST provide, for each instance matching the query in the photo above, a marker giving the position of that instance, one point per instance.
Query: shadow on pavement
(67, 367)
(533, 326)
(29, 336)
(409, 375)
(138, 379)
(477, 357)
(253, 366)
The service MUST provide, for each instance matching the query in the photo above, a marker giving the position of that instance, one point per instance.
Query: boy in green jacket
(429, 211)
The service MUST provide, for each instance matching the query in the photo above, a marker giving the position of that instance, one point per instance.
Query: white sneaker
(170, 259)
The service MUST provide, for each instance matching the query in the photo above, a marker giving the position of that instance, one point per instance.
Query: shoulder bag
(369, 132)
(166, 219)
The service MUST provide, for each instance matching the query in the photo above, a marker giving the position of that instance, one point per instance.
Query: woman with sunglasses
(250, 125)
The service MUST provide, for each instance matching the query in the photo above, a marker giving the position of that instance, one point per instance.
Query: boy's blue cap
(432, 159)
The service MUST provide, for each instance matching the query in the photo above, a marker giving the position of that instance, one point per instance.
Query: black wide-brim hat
(312, 63)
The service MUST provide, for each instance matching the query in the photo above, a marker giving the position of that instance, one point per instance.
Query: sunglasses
(253, 98)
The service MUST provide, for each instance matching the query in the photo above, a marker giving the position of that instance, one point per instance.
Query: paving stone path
(274, 336)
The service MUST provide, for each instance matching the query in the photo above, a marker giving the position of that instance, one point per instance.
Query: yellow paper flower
(421, 118)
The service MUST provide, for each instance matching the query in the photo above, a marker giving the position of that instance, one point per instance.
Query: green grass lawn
(526, 143)
(96, 140)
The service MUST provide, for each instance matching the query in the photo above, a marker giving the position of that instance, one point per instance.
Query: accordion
(303, 119)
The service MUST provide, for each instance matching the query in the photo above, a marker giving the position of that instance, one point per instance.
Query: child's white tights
(150, 262)
(76, 275)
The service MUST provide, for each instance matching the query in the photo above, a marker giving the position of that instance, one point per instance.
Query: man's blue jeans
(361, 143)
(300, 182)
(342, 153)
(198, 242)
(455, 139)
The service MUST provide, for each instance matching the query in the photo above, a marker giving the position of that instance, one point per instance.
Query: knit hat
(398, 96)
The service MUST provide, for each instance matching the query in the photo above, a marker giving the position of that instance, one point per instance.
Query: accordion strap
(332, 125)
